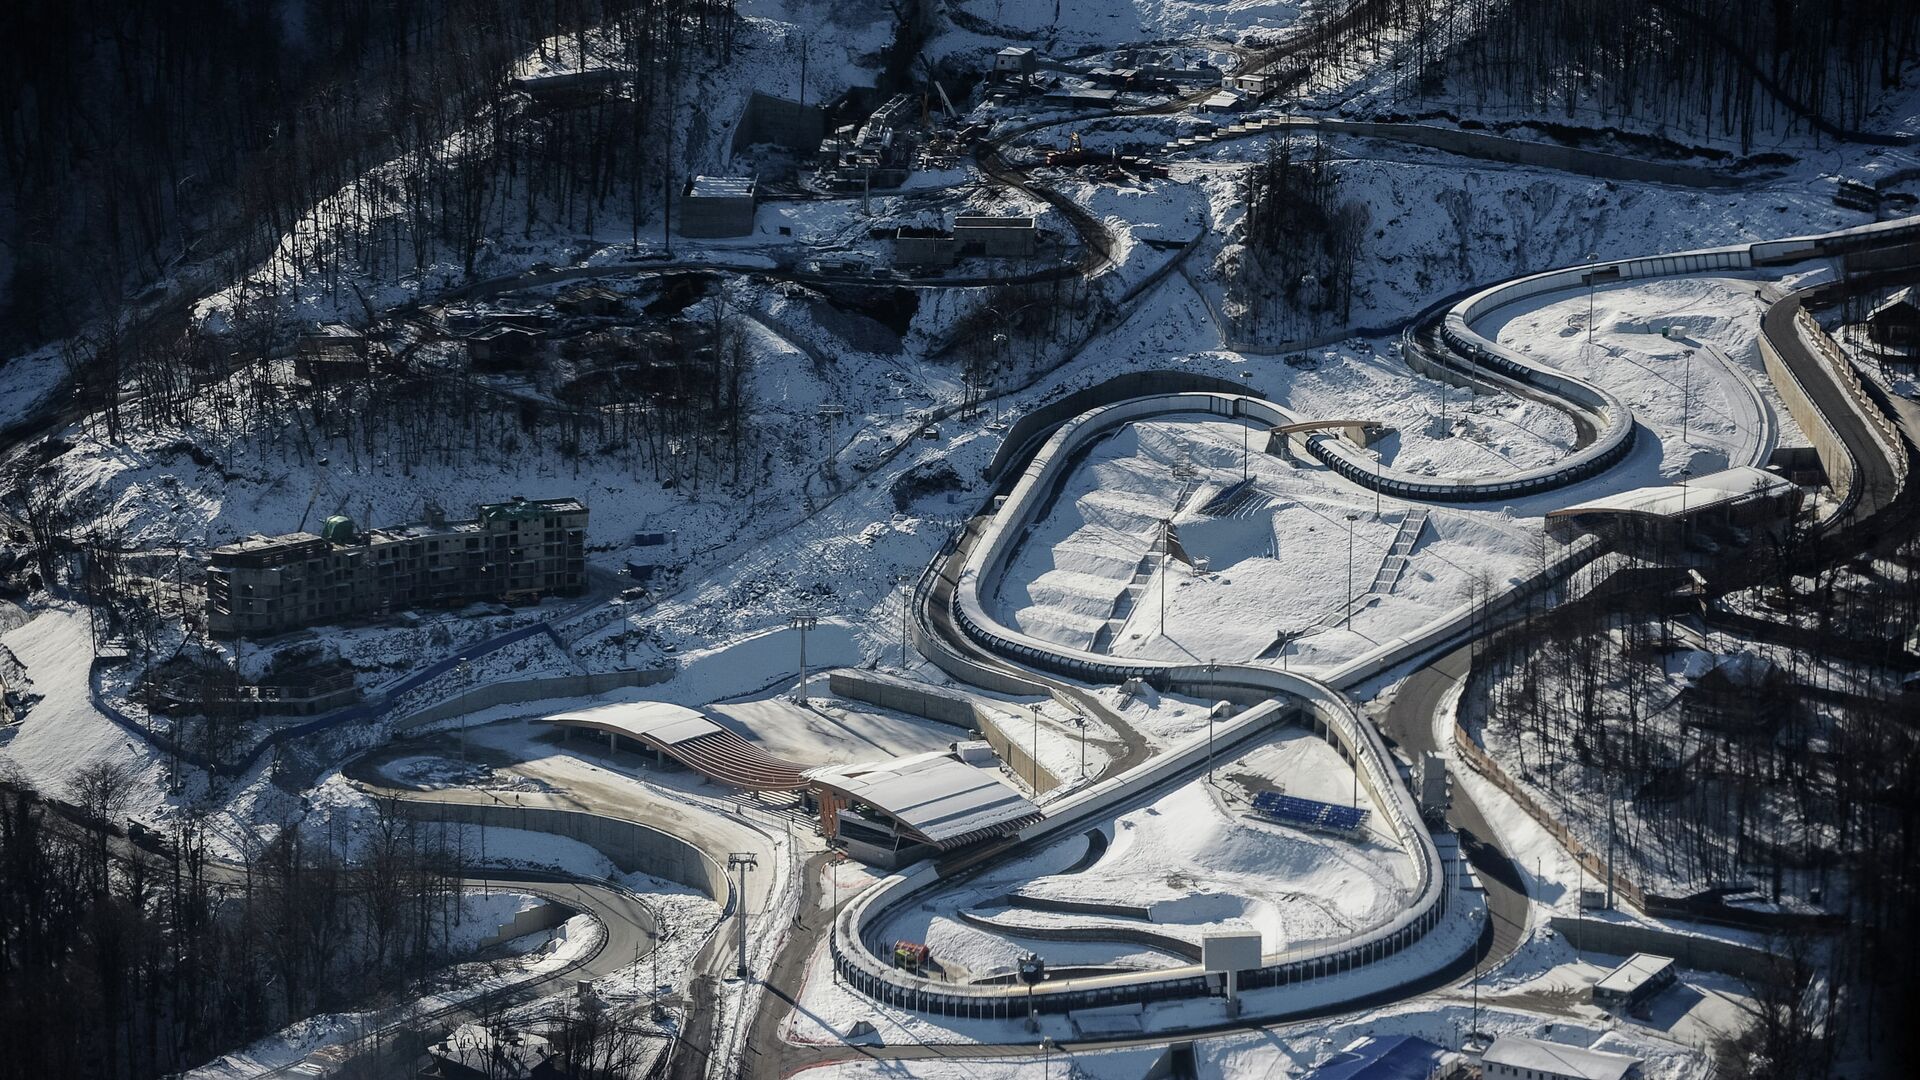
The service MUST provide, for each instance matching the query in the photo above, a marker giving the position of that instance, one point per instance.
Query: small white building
(1015, 62)
(1639, 979)
(1512, 1057)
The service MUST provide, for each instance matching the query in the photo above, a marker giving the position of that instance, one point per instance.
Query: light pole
(1351, 518)
(1246, 429)
(1081, 723)
(1592, 259)
(906, 601)
(1212, 715)
(803, 622)
(1034, 755)
(1166, 543)
(742, 861)
(1686, 396)
(833, 871)
(465, 671)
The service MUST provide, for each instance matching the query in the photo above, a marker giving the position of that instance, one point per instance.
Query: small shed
(1226, 101)
(1638, 980)
(713, 206)
(1015, 62)
(501, 347)
(995, 237)
(916, 246)
(589, 299)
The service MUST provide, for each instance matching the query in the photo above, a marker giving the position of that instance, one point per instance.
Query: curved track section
(970, 642)
(1287, 696)
(1451, 342)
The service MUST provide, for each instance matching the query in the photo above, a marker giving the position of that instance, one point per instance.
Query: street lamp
(1081, 723)
(1351, 518)
(1166, 545)
(802, 621)
(1686, 396)
(1592, 259)
(465, 671)
(1213, 714)
(906, 601)
(1246, 429)
(1034, 755)
(833, 871)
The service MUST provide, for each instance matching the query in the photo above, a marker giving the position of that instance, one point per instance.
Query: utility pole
(742, 861)
(802, 621)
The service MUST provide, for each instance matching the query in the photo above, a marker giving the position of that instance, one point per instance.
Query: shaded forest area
(134, 135)
(1303, 240)
(139, 958)
(1787, 770)
(1706, 68)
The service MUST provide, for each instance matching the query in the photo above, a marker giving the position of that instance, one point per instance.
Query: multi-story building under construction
(514, 551)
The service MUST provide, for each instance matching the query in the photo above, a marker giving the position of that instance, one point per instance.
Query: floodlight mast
(802, 621)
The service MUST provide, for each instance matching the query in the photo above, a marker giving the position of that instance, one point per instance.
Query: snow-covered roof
(658, 722)
(1687, 497)
(1374, 1057)
(1551, 1059)
(1905, 301)
(721, 187)
(942, 799)
(1630, 976)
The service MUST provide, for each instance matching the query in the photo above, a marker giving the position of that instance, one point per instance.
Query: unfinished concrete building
(516, 551)
(717, 206)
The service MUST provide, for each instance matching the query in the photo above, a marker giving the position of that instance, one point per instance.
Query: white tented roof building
(934, 797)
(1514, 1058)
(661, 723)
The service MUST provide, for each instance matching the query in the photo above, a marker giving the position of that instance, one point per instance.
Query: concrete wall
(519, 690)
(1835, 458)
(789, 124)
(901, 695)
(1488, 147)
(630, 845)
(542, 916)
(1689, 950)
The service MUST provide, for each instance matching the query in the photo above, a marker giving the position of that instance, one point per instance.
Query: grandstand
(1309, 813)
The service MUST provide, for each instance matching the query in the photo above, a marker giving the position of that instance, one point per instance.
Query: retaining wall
(1689, 950)
(543, 916)
(541, 689)
(631, 846)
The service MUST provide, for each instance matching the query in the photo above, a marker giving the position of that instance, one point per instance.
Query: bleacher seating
(1309, 813)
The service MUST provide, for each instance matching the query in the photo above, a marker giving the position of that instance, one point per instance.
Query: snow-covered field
(1279, 565)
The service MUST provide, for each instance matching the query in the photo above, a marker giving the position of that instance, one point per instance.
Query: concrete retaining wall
(1689, 950)
(630, 845)
(901, 695)
(543, 916)
(542, 689)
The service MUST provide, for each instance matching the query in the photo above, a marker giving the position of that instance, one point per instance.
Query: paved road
(1873, 473)
(1409, 721)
